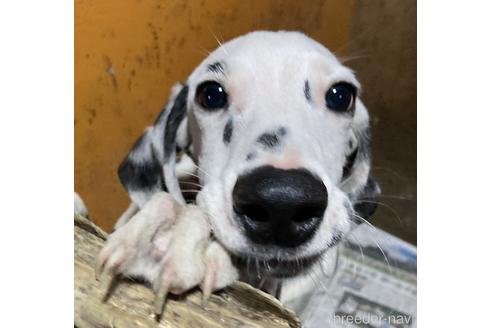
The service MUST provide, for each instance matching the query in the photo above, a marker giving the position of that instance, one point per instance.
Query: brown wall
(129, 53)
(384, 35)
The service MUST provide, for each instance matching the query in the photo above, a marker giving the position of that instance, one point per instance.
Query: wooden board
(130, 304)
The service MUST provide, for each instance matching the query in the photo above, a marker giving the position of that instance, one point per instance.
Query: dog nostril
(308, 213)
(252, 211)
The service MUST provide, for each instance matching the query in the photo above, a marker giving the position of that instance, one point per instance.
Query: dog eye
(340, 97)
(211, 95)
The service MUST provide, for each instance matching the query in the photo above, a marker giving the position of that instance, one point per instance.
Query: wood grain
(130, 304)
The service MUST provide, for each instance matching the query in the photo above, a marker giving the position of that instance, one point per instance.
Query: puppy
(272, 125)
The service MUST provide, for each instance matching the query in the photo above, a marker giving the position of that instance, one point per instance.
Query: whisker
(344, 60)
(190, 190)
(202, 170)
(380, 168)
(392, 210)
(203, 51)
(397, 197)
(218, 41)
(364, 220)
(192, 174)
(221, 38)
(390, 268)
(360, 249)
(362, 254)
(191, 183)
(317, 282)
(375, 241)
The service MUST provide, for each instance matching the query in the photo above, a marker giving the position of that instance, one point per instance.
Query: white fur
(126, 216)
(168, 245)
(79, 206)
(265, 74)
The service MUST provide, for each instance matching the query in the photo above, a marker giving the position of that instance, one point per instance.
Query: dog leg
(79, 207)
(129, 248)
(169, 246)
(126, 216)
(219, 270)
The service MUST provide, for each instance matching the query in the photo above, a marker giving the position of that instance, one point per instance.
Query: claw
(109, 283)
(106, 271)
(160, 298)
(208, 280)
(106, 263)
(162, 290)
(98, 270)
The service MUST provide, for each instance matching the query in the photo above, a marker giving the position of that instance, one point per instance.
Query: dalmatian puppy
(272, 125)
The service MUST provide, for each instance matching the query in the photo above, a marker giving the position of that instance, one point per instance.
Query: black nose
(280, 207)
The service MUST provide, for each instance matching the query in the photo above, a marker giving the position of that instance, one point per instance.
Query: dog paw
(169, 246)
(137, 247)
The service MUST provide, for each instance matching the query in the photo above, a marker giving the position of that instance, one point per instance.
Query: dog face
(281, 139)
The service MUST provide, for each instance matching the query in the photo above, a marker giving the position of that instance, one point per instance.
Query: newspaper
(374, 285)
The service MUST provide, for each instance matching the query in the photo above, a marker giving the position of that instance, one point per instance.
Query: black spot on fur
(176, 115)
(144, 174)
(307, 91)
(269, 140)
(366, 203)
(272, 139)
(251, 156)
(226, 136)
(188, 151)
(141, 170)
(349, 163)
(361, 153)
(216, 67)
(337, 236)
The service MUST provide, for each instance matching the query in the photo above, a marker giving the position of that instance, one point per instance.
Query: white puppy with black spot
(274, 122)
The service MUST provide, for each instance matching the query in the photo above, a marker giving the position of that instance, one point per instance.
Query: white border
(36, 126)
(454, 163)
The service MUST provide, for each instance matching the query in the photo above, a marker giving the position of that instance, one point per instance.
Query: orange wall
(128, 53)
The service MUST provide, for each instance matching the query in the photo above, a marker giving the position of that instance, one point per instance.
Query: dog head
(282, 142)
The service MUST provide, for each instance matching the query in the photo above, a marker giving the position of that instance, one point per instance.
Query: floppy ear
(366, 202)
(149, 167)
(362, 189)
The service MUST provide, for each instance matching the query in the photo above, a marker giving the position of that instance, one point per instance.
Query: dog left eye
(211, 95)
(340, 97)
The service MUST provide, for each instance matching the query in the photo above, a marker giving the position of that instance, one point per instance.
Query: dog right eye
(211, 95)
(340, 97)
